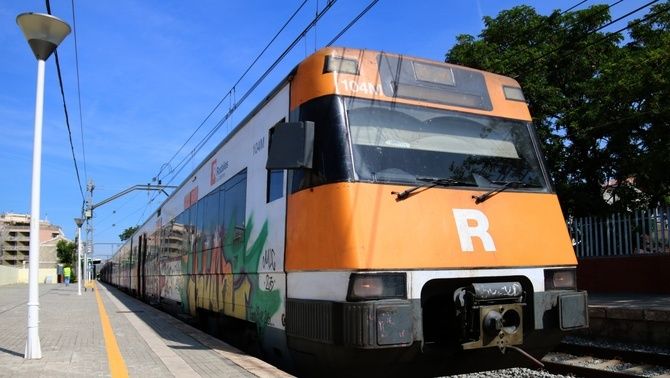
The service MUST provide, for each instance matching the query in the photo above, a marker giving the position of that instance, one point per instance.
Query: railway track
(591, 361)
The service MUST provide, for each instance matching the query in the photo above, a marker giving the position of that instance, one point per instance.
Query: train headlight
(560, 279)
(369, 286)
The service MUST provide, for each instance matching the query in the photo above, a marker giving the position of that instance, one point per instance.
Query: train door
(141, 271)
(132, 266)
(139, 259)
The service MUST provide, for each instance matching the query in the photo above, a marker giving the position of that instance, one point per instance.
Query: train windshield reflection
(397, 143)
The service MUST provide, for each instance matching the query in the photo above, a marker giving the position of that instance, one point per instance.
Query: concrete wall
(626, 274)
(9, 275)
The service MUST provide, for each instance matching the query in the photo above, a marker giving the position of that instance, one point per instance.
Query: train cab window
(332, 160)
(402, 143)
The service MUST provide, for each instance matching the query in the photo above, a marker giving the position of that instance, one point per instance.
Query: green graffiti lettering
(237, 291)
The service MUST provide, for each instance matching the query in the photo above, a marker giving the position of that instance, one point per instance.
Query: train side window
(275, 188)
(234, 211)
(275, 177)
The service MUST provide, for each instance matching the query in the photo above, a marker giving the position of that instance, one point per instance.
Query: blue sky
(151, 71)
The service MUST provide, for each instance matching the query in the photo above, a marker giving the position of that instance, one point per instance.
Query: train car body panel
(362, 226)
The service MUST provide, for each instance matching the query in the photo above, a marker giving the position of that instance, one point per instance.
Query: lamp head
(78, 221)
(43, 32)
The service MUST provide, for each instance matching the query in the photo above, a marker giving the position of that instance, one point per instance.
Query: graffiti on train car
(269, 262)
(224, 278)
(170, 269)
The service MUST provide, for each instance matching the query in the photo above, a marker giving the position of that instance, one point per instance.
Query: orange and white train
(375, 213)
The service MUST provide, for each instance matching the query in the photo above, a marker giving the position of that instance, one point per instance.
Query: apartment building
(15, 241)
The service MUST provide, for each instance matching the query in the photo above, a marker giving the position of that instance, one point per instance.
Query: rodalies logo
(217, 171)
(471, 224)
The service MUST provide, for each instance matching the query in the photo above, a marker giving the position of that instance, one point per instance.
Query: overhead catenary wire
(537, 27)
(144, 211)
(234, 106)
(574, 6)
(522, 33)
(231, 92)
(648, 17)
(129, 198)
(230, 95)
(117, 222)
(258, 81)
(316, 11)
(542, 24)
(81, 118)
(520, 67)
(354, 21)
(67, 120)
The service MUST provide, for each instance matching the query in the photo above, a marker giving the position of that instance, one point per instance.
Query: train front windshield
(394, 143)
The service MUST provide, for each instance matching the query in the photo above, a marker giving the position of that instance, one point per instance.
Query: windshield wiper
(505, 185)
(431, 182)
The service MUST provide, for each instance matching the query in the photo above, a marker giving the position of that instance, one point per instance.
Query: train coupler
(491, 314)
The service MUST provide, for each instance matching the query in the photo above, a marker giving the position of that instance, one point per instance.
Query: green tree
(66, 251)
(128, 232)
(600, 105)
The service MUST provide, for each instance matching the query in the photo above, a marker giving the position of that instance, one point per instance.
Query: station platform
(633, 317)
(106, 333)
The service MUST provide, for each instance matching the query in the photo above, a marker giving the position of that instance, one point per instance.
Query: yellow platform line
(117, 366)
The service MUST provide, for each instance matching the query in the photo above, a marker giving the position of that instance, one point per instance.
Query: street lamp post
(80, 276)
(44, 33)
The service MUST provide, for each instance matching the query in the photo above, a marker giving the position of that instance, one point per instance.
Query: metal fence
(622, 234)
